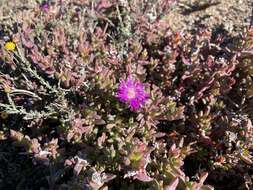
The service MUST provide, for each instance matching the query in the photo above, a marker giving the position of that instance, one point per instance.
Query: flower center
(131, 93)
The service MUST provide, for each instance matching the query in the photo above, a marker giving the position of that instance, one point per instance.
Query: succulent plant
(70, 71)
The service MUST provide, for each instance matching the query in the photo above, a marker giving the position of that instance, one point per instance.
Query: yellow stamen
(131, 93)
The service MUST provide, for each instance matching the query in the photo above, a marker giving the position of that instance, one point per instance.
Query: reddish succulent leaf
(142, 176)
(172, 185)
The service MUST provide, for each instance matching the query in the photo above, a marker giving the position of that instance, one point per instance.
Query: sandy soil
(232, 15)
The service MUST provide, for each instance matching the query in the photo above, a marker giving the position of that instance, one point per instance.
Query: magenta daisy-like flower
(132, 92)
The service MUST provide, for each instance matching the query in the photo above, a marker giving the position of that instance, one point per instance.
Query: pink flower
(132, 92)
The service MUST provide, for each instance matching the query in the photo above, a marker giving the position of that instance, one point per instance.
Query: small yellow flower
(10, 46)
(7, 89)
(4, 115)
